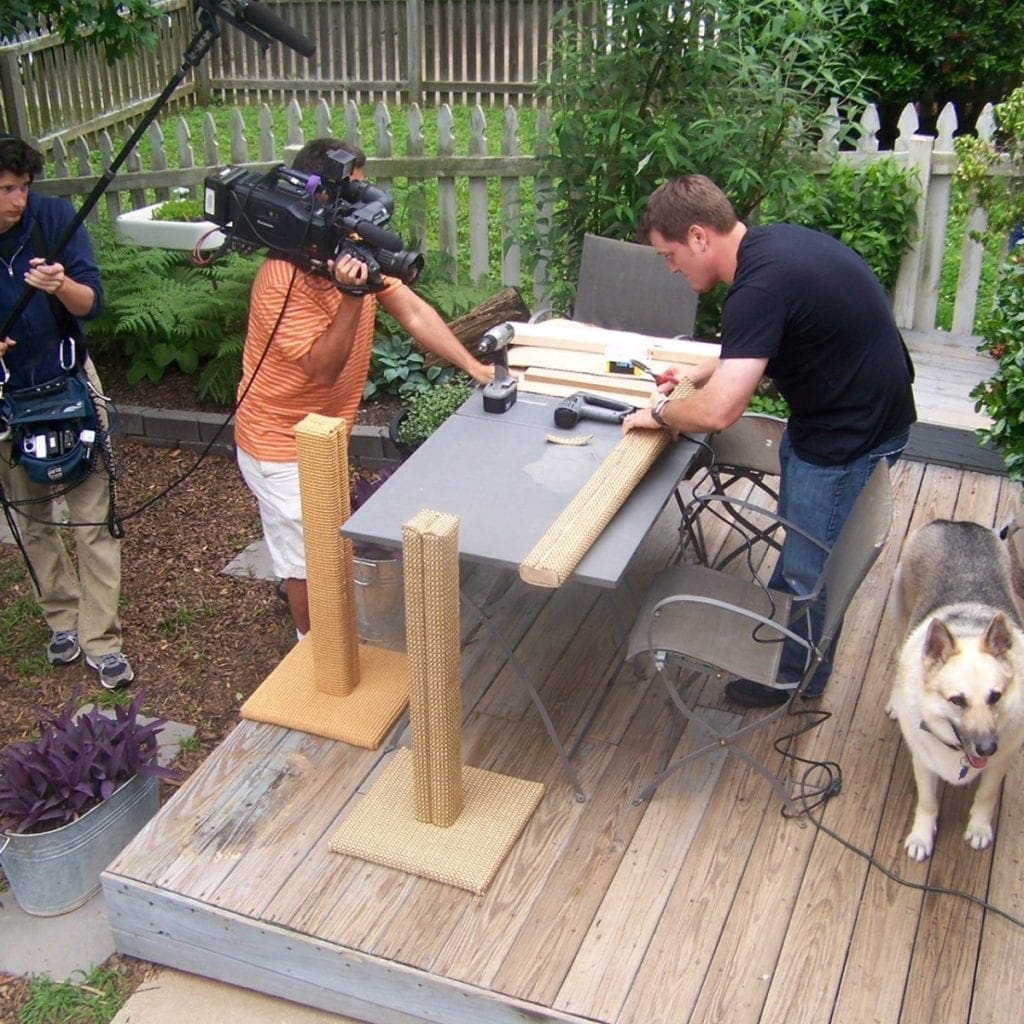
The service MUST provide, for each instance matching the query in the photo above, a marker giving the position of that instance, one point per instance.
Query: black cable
(833, 787)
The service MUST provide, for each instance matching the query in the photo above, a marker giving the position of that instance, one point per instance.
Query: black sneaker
(63, 648)
(114, 670)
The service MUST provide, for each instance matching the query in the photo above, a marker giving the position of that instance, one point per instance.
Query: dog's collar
(952, 746)
(958, 747)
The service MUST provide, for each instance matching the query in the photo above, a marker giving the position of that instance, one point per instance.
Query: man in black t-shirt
(807, 311)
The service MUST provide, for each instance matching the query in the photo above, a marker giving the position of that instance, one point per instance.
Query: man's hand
(348, 271)
(5, 344)
(47, 277)
(639, 420)
(53, 279)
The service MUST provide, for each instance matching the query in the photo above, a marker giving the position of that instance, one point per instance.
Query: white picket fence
(915, 295)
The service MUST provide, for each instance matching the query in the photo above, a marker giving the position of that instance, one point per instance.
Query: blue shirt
(36, 357)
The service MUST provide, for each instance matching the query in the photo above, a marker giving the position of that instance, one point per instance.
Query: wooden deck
(947, 369)
(702, 904)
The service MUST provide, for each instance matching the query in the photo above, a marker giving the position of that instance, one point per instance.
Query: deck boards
(702, 904)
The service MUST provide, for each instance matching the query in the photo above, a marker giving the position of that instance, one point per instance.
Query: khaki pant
(85, 601)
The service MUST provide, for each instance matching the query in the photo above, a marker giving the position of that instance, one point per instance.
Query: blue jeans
(818, 499)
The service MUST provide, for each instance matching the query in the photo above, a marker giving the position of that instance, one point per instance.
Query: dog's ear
(939, 644)
(998, 638)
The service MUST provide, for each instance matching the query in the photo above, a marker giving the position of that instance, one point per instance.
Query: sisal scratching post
(323, 485)
(430, 552)
(427, 814)
(330, 684)
(569, 537)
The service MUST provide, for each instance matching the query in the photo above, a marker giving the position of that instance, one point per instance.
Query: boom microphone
(266, 21)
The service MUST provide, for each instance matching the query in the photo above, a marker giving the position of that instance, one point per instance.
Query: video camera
(312, 218)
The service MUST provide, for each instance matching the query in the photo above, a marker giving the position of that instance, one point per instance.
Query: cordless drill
(500, 394)
(583, 406)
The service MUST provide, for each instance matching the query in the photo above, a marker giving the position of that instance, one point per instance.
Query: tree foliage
(735, 89)
(933, 51)
(119, 27)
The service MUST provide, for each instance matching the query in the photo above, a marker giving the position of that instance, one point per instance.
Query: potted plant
(425, 411)
(72, 799)
(173, 224)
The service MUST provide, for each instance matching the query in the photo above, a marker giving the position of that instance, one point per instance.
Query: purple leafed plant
(76, 763)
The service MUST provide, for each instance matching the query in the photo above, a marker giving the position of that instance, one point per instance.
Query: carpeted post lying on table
(430, 551)
(569, 537)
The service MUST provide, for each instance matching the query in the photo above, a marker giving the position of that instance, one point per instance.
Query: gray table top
(508, 484)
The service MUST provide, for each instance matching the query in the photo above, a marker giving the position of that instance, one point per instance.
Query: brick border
(193, 431)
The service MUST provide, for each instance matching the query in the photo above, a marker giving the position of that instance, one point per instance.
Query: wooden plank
(192, 936)
(830, 896)
(635, 390)
(434, 912)
(949, 930)
(556, 920)
(613, 951)
(997, 994)
(581, 337)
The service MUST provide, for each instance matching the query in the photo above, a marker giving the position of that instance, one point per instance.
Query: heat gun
(583, 406)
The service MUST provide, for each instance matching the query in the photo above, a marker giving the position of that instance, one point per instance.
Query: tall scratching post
(330, 684)
(427, 813)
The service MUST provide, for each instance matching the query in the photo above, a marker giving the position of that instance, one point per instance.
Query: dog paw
(979, 835)
(890, 710)
(919, 847)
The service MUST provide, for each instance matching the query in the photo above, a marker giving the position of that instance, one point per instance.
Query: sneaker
(748, 694)
(114, 670)
(63, 647)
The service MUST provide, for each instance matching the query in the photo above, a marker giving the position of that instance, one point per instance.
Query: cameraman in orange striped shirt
(308, 350)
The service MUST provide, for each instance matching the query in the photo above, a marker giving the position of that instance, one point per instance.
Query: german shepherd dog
(958, 689)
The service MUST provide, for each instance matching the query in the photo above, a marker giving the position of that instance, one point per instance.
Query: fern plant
(162, 310)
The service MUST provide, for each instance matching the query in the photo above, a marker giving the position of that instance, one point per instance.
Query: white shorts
(276, 487)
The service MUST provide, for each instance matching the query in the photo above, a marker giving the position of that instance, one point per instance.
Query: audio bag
(54, 429)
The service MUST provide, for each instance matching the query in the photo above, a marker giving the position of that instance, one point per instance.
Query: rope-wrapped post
(322, 443)
(568, 539)
(430, 552)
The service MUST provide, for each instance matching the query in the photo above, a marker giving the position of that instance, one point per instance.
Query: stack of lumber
(559, 357)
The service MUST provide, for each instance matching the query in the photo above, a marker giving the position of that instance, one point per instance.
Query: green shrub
(653, 92)
(427, 410)
(398, 368)
(870, 208)
(1001, 397)
(188, 210)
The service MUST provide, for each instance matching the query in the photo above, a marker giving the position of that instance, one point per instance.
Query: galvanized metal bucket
(380, 601)
(55, 872)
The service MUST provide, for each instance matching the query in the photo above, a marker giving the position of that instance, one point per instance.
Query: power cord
(820, 794)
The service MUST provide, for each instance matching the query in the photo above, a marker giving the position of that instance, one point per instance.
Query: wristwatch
(657, 408)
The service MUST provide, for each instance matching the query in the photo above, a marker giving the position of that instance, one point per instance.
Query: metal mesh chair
(742, 460)
(628, 287)
(719, 626)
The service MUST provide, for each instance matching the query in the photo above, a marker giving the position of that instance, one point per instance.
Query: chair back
(859, 544)
(628, 287)
(751, 444)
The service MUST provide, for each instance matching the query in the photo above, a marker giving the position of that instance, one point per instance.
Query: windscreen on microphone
(266, 21)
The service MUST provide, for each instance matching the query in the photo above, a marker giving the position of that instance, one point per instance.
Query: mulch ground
(200, 641)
